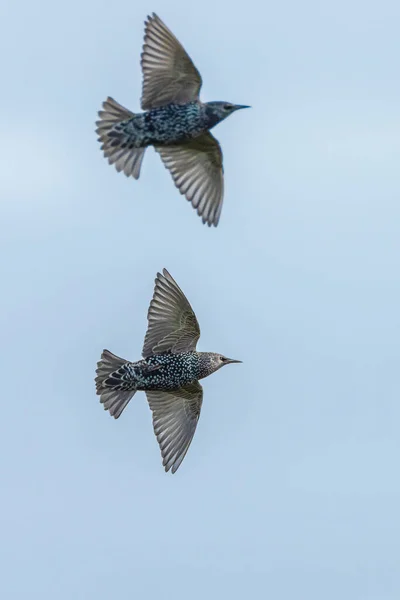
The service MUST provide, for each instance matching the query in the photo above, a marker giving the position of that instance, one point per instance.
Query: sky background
(291, 487)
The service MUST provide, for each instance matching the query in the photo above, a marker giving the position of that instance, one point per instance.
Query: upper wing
(168, 72)
(175, 417)
(196, 168)
(172, 323)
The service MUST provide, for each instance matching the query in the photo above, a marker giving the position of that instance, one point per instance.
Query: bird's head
(219, 360)
(218, 111)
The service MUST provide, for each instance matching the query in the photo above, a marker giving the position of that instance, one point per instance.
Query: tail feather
(114, 141)
(114, 390)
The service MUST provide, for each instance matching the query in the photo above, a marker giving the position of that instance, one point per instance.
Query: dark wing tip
(209, 222)
(150, 18)
(163, 275)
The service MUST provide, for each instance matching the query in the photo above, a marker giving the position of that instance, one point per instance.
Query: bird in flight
(175, 122)
(169, 372)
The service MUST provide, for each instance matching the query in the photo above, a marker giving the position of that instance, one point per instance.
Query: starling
(169, 372)
(176, 123)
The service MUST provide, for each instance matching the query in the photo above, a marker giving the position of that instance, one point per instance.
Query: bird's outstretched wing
(197, 171)
(172, 323)
(175, 417)
(169, 74)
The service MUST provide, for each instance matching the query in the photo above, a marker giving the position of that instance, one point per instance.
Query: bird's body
(169, 372)
(176, 123)
(165, 125)
(165, 371)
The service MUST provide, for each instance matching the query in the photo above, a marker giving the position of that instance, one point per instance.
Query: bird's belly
(160, 382)
(163, 377)
(165, 137)
(173, 124)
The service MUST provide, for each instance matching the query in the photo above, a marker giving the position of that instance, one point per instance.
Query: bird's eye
(222, 358)
(228, 106)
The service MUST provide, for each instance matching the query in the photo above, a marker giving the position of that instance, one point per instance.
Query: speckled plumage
(165, 371)
(176, 123)
(169, 372)
(165, 125)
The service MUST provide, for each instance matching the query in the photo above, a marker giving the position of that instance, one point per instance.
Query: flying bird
(169, 372)
(176, 123)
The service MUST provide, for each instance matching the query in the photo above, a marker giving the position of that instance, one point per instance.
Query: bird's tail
(115, 143)
(112, 384)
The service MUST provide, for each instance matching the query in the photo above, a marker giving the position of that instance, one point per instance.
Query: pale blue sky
(291, 488)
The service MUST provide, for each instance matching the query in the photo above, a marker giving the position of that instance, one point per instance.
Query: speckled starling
(169, 372)
(176, 123)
